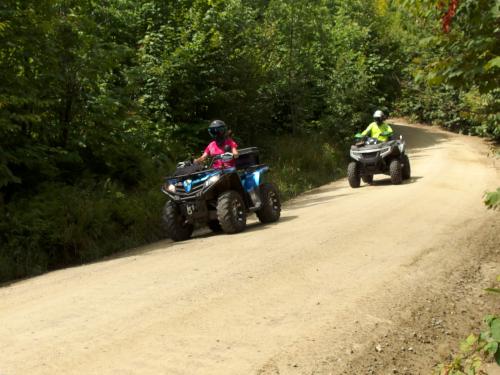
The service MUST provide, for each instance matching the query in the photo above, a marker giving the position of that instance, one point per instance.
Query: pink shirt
(213, 149)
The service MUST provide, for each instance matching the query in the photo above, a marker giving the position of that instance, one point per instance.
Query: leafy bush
(465, 112)
(492, 199)
(452, 73)
(475, 350)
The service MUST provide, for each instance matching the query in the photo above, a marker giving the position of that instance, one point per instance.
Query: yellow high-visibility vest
(376, 131)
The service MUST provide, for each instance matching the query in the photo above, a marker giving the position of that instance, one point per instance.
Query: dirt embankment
(428, 327)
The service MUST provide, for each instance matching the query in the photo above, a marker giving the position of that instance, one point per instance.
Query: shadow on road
(203, 233)
(257, 226)
(387, 181)
(418, 138)
(316, 196)
(312, 201)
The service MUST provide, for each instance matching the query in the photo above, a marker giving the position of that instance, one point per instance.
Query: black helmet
(217, 129)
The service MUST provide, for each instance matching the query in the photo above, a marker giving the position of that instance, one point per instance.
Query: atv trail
(310, 294)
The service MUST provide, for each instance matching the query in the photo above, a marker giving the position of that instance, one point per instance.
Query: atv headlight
(212, 180)
(171, 188)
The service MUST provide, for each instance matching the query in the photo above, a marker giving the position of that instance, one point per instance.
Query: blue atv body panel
(250, 180)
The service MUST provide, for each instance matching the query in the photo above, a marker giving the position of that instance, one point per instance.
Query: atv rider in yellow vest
(378, 129)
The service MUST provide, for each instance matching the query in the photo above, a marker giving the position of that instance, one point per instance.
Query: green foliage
(68, 125)
(64, 225)
(492, 199)
(465, 112)
(467, 56)
(453, 77)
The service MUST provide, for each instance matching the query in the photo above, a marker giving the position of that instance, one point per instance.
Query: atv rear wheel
(270, 210)
(231, 212)
(406, 167)
(215, 226)
(368, 179)
(353, 174)
(175, 223)
(396, 171)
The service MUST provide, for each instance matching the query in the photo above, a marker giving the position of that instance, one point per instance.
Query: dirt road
(302, 296)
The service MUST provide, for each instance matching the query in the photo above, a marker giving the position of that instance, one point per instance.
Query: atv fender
(230, 182)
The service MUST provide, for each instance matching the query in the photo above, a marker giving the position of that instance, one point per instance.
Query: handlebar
(225, 157)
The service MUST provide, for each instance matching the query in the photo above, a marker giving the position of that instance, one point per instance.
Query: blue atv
(219, 198)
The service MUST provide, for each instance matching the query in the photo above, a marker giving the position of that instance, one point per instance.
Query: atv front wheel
(396, 171)
(368, 179)
(353, 174)
(231, 212)
(406, 167)
(270, 210)
(175, 223)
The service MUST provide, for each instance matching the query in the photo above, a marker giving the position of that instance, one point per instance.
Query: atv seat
(248, 157)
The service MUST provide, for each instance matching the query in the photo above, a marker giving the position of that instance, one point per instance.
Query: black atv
(219, 198)
(370, 156)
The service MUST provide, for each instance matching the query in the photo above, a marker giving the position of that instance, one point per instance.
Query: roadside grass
(299, 164)
(65, 225)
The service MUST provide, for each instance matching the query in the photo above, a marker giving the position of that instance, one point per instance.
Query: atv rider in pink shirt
(220, 145)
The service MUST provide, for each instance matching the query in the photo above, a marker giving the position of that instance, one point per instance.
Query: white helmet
(378, 114)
